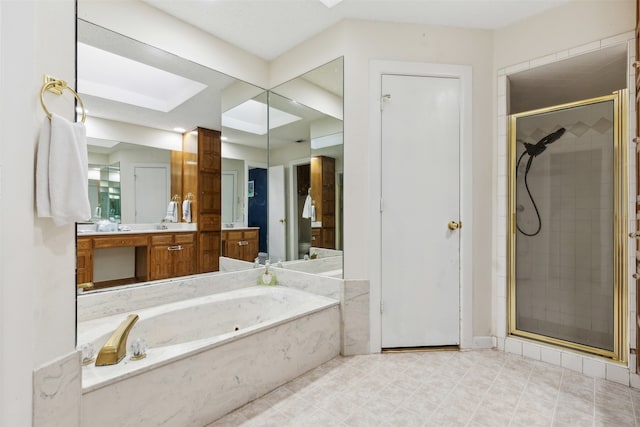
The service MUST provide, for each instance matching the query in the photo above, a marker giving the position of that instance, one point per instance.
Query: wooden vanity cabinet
(172, 255)
(323, 193)
(240, 244)
(84, 260)
(157, 256)
(201, 176)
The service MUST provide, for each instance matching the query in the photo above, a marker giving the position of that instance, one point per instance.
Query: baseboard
(484, 342)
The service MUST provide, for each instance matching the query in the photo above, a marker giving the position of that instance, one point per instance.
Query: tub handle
(175, 248)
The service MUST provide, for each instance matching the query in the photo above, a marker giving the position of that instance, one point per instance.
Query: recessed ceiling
(131, 82)
(268, 28)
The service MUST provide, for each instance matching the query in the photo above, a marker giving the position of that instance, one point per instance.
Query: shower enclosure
(567, 226)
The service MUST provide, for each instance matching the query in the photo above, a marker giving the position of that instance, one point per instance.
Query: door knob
(283, 220)
(454, 225)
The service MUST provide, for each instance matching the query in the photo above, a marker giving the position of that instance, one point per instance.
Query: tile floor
(448, 388)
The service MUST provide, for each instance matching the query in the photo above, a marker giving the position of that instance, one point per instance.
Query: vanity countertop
(89, 229)
(239, 228)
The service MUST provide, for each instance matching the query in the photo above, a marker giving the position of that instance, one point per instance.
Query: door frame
(134, 166)
(292, 226)
(463, 72)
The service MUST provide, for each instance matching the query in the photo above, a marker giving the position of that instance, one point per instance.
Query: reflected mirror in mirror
(306, 147)
(144, 109)
(104, 191)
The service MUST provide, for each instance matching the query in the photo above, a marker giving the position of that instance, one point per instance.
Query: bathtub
(208, 355)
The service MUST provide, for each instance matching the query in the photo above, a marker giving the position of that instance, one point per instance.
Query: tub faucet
(116, 347)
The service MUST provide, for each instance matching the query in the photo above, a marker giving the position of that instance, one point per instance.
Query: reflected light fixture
(180, 130)
(330, 3)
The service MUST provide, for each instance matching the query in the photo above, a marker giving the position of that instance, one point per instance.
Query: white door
(277, 217)
(420, 265)
(151, 193)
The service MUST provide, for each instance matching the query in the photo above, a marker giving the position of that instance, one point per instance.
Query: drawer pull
(175, 248)
(243, 243)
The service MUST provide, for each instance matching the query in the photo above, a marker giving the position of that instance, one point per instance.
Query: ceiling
(268, 28)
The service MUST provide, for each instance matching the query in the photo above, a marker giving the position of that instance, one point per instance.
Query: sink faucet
(116, 347)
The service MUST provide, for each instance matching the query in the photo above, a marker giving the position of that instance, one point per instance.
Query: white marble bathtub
(198, 366)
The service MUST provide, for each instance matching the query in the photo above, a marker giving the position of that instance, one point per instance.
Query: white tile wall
(571, 361)
(588, 365)
(551, 355)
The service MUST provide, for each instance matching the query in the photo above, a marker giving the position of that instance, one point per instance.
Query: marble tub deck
(470, 388)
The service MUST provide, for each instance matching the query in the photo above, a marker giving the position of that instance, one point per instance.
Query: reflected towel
(313, 212)
(62, 171)
(186, 211)
(306, 210)
(172, 212)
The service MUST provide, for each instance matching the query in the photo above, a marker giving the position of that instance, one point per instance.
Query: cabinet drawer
(115, 242)
(162, 239)
(251, 234)
(84, 243)
(232, 235)
(184, 238)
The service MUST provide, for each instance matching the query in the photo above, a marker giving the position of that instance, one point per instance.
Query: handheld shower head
(536, 149)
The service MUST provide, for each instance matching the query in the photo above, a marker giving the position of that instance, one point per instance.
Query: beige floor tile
(476, 388)
(404, 418)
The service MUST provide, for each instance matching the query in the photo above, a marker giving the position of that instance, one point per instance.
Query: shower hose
(533, 202)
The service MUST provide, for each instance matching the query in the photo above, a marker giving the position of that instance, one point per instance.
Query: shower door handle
(454, 225)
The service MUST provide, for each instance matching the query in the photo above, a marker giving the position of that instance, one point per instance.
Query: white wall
(37, 259)
(361, 42)
(571, 25)
(142, 22)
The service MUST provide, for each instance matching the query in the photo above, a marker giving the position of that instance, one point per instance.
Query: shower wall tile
(532, 351)
(618, 374)
(513, 346)
(517, 68)
(587, 268)
(571, 361)
(550, 355)
(502, 105)
(620, 38)
(593, 368)
(502, 89)
(543, 60)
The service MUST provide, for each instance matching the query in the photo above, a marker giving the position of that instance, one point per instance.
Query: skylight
(131, 82)
(251, 116)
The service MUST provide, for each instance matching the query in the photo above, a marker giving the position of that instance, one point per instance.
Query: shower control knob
(454, 225)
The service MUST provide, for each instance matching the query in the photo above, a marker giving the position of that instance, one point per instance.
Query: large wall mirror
(281, 159)
(306, 154)
(144, 109)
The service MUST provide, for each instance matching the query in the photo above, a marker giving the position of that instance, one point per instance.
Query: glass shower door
(567, 228)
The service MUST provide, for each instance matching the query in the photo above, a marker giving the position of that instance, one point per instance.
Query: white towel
(186, 211)
(62, 172)
(306, 210)
(172, 212)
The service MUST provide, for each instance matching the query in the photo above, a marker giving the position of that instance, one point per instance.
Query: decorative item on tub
(267, 278)
(61, 164)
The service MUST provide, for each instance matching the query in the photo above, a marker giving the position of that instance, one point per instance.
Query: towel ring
(57, 86)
